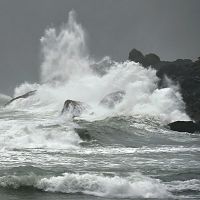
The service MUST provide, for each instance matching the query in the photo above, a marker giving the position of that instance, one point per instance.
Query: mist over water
(129, 153)
(68, 72)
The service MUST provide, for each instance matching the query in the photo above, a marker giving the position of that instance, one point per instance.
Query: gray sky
(169, 28)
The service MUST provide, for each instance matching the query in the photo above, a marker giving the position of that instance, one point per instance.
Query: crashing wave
(69, 72)
(136, 186)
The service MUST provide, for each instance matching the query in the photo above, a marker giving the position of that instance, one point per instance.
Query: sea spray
(4, 99)
(64, 53)
(68, 72)
(130, 154)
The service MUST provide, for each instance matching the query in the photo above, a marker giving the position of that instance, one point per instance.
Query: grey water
(122, 151)
(124, 158)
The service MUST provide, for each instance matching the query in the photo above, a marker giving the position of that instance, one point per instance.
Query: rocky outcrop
(83, 134)
(147, 60)
(112, 99)
(136, 56)
(151, 59)
(28, 94)
(185, 126)
(187, 75)
(183, 72)
(74, 108)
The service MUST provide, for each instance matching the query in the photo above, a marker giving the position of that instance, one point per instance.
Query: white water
(136, 185)
(68, 72)
(4, 99)
(35, 136)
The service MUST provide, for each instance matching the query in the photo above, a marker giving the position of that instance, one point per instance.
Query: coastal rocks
(83, 134)
(136, 56)
(28, 94)
(183, 72)
(74, 108)
(112, 99)
(147, 60)
(151, 59)
(187, 75)
(185, 126)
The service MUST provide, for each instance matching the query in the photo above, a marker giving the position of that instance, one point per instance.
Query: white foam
(4, 99)
(136, 186)
(33, 135)
(68, 72)
(192, 184)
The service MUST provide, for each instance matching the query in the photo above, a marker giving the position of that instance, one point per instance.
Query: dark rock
(147, 60)
(151, 59)
(198, 61)
(185, 126)
(136, 56)
(28, 94)
(112, 99)
(75, 108)
(83, 134)
(187, 76)
(183, 72)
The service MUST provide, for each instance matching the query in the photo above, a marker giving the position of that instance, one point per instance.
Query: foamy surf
(69, 72)
(135, 186)
(121, 130)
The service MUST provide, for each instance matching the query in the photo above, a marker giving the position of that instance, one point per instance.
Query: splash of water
(68, 72)
(64, 52)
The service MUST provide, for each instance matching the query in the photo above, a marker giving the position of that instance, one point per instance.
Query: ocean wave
(33, 135)
(135, 186)
(188, 185)
(69, 72)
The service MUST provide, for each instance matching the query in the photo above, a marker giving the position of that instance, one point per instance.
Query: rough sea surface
(124, 151)
(127, 158)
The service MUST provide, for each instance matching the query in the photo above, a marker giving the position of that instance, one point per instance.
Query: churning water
(118, 152)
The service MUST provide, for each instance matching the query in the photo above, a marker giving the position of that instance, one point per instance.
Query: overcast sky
(169, 28)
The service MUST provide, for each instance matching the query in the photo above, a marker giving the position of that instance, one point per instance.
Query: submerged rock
(113, 98)
(185, 126)
(28, 94)
(75, 108)
(83, 134)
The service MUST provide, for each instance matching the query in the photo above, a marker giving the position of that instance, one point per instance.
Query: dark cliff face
(184, 72)
(145, 60)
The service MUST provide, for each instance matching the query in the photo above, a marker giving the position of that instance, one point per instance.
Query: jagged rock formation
(185, 126)
(184, 72)
(28, 94)
(147, 60)
(83, 134)
(74, 108)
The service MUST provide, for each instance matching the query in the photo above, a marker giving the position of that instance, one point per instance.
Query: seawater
(131, 154)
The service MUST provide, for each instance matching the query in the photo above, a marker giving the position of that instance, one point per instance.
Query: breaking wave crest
(136, 185)
(68, 72)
